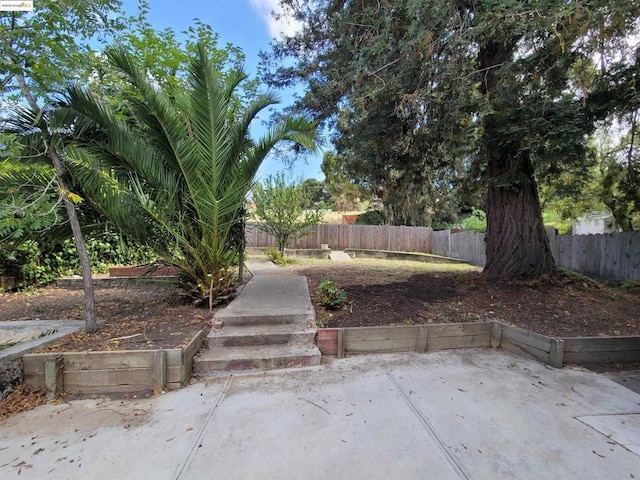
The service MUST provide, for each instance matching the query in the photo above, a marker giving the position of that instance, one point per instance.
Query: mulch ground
(137, 317)
(410, 293)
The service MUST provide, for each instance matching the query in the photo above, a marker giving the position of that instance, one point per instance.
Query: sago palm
(173, 170)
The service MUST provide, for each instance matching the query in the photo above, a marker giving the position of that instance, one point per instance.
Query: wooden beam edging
(124, 371)
(555, 352)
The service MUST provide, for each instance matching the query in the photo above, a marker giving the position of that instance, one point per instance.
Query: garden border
(555, 352)
(124, 371)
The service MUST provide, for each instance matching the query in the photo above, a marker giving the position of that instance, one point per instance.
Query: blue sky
(247, 24)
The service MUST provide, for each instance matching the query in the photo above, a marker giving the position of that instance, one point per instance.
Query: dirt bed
(383, 292)
(137, 317)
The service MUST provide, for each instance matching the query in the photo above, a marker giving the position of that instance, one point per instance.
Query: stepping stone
(340, 256)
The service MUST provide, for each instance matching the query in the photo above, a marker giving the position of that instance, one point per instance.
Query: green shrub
(372, 217)
(39, 263)
(331, 296)
(275, 256)
(476, 222)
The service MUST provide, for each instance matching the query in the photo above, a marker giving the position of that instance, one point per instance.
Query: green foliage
(318, 194)
(476, 222)
(275, 256)
(40, 262)
(553, 219)
(372, 217)
(283, 209)
(172, 170)
(345, 193)
(330, 295)
(53, 44)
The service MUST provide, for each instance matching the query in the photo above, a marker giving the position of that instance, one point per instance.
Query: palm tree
(172, 169)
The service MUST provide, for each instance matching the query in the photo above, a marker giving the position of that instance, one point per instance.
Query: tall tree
(344, 192)
(370, 71)
(438, 89)
(40, 52)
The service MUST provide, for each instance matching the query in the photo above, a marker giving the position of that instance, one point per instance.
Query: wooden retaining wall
(529, 344)
(602, 350)
(425, 338)
(113, 371)
(411, 338)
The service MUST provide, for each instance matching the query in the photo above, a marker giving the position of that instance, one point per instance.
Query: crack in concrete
(451, 458)
(198, 440)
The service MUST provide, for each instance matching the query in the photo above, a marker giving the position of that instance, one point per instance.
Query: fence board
(585, 358)
(463, 341)
(518, 335)
(380, 346)
(457, 329)
(601, 344)
(381, 333)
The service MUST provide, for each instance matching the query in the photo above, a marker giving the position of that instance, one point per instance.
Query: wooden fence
(342, 237)
(609, 255)
(615, 255)
(468, 246)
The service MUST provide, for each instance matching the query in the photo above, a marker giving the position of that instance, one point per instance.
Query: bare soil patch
(139, 317)
(383, 292)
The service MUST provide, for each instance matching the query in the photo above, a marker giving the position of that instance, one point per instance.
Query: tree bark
(516, 240)
(90, 323)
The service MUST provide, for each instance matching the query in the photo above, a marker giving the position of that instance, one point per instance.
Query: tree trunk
(90, 324)
(517, 243)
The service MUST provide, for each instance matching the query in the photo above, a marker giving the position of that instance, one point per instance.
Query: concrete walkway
(464, 414)
(273, 294)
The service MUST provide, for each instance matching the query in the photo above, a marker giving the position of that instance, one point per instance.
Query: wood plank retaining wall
(425, 338)
(125, 371)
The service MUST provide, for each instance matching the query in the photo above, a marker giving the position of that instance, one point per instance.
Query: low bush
(331, 296)
(372, 217)
(34, 262)
(275, 256)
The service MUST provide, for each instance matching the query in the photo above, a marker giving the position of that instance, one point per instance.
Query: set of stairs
(269, 325)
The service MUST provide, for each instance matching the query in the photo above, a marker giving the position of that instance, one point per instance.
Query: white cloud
(285, 25)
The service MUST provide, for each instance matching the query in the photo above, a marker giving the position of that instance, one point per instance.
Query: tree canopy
(431, 99)
(283, 209)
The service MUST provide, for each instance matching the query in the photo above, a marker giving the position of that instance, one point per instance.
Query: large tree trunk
(517, 243)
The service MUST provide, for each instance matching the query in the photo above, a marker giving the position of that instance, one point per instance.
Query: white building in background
(594, 222)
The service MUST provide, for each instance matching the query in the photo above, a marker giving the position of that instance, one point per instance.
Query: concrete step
(260, 357)
(298, 333)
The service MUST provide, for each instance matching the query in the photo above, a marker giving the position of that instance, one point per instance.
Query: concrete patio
(465, 414)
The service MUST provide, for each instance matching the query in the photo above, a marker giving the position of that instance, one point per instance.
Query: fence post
(159, 369)
(341, 349)
(423, 337)
(556, 353)
(496, 334)
(53, 378)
